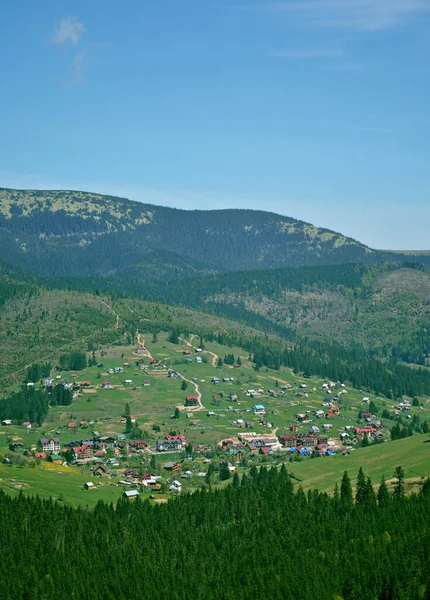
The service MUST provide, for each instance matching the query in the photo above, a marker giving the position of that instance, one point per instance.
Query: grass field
(413, 454)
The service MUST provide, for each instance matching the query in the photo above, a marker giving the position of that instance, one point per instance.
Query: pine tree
(346, 492)
(399, 486)
(383, 494)
(361, 489)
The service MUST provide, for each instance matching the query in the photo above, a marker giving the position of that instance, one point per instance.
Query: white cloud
(70, 30)
(366, 15)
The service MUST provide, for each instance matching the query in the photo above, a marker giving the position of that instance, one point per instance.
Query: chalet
(138, 445)
(198, 359)
(50, 444)
(233, 398)
(289, 441)
(293, 427)
(215, 380)
(6, 422)
(210, 413)
(56, 459)
(306, 441)
(49, 382)
(40, 455)
(71, 425)
(365, 430)
(313, 429)
(186, 352)
(26, 425)
(106, 385)
(319, 414)
(82, 452)
(17, 446)
(99, 471)
(146, 383)
(175, 486)
(168, 445)
(327, 426)
(303, 417)
(330, 415)
(259, 409)
(344, 436)
(191, 401)
(85, 384)
(264, 450)
(130, 494)
(89, 485)
(367, 415)
(128, 381)
(172, 466)
(180, 438)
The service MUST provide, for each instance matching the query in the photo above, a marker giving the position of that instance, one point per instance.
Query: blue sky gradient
(316, 109)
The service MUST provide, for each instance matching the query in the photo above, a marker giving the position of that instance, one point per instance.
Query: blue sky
(317, 109)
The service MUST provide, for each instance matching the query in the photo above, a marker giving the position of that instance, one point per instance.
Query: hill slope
(70, 233)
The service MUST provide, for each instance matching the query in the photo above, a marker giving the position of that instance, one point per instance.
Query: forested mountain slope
(71, 233)
(384, 309)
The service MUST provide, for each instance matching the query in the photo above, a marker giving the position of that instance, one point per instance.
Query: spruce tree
(346, 492)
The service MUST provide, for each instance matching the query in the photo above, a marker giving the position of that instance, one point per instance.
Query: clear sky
(316, 109)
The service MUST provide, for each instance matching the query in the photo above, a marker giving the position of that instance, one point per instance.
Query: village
(174, 419)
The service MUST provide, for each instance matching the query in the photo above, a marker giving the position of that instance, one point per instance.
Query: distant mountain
(79, 233)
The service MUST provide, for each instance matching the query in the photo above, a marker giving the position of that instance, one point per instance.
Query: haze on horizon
(316, 109)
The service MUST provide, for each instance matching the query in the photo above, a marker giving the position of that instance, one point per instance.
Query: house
(319, 414)
(264, 450)
(344, 436)
(186, 352)
(288, 440)
(172, 466)
(40, 455)
(146, 383)
(210, 413)
(71, 425)
(168, 445)
(89, 485)
(107, 385)
(303, 417)
(327, 426)
(6, 422)
(215, 380)
(85, 384)
(259, 409)
(180, 438)
(26, 425)
(175, 486)
(16, 446)
(191, 401)
(198, 359)
(50, 444)
(56, 459)
(130, 494)
(313, 429)
(293, 427)
(82, 452)
(99, 471)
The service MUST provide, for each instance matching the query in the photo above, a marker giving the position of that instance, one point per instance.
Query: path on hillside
(198, 392)
(141, 343)
(114, 312)
(215, 356)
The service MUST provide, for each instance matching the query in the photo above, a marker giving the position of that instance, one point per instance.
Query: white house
(175, 486)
